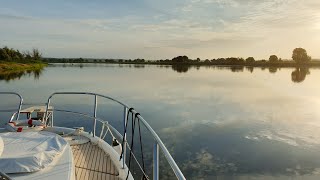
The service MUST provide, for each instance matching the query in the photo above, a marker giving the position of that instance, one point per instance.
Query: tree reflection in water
(237, 68)
(250, 69)
(273, 69)
(181, 68)
(7, 76)
(299, 74)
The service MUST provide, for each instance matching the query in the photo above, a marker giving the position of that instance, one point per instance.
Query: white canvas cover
(29, 151)
(1, 145)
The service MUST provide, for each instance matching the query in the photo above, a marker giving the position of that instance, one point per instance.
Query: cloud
(280, 14)
(12, 17)
(8, 13)
(193, 27)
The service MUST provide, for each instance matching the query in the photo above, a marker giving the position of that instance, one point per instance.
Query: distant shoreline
(255, 64)
(300, 58)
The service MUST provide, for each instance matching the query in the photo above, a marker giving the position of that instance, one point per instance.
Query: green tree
(36, 55)
(180, 59)
(273, 58)
(12, 55)
(299, 55)
(4, 56)
(250, 60)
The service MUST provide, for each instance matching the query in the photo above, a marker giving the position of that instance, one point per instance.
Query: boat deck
(93, 163)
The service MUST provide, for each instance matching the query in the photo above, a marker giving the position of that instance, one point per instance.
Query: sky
(161, 29)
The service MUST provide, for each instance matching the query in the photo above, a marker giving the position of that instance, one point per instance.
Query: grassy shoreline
(19, 67)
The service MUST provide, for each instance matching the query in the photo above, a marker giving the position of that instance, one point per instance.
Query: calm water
(218, 122)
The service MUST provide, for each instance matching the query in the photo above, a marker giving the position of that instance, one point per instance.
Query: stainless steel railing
(17, 111)
(113, 132)
(158, 144)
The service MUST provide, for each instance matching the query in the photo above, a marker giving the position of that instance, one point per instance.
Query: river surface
(217, 122)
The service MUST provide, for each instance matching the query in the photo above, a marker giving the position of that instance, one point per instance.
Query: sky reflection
(218, 122)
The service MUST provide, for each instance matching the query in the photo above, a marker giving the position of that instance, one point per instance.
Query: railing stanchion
(51, 119)
(19, 107)
(95, 116)
(155, 161)
(125, 112)
(46, 113)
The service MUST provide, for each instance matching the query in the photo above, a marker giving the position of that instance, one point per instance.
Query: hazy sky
(155, 29)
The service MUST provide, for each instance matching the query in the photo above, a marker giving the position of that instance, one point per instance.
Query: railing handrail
(117, 135)
(20, 103)
(164, 150)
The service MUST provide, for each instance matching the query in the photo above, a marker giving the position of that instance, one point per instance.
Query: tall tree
(36, 55)
(180, 59)
(4, 55)
(299, 55)
(250, 60)
(273, 58)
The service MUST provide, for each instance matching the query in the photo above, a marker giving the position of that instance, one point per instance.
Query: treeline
(82, 60)
(12, 55)
(175, 60)
(218, 61)
(184, 60)
(299, 57)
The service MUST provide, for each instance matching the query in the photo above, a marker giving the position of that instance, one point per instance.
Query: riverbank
(18, 67)
(10, 71)
(214, 62)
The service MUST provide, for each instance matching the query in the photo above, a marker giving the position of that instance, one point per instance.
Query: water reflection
(8, 76)
(181, 68)
(250, 69)
(273, 69)
(237, 68)
(299, 74)
(218, 122)
(139, 66)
